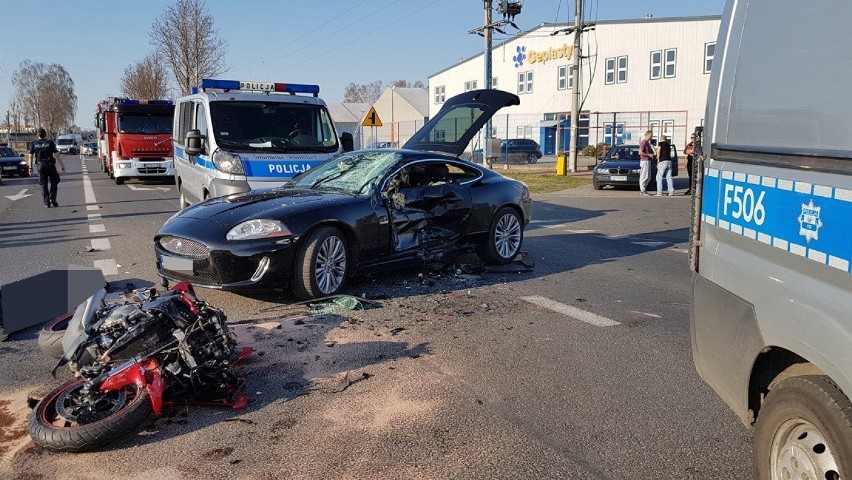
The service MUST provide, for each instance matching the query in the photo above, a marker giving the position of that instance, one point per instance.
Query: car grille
(184, 247)
(202, 277)
(160, 170)
(619, 171)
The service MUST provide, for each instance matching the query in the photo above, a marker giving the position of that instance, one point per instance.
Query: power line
(321, 56)
(244, 66)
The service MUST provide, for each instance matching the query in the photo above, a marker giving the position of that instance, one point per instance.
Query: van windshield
(64, 141)
(142, 123)
(272, 127)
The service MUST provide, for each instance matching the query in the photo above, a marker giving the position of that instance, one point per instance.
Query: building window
(471, 85)
(709, 51)
(440, 94)
(524, 131)
(525, 82)
(493, 82)
(622, 70)
(656, 64)
(610, 71)
(565, 77)
(669, 69)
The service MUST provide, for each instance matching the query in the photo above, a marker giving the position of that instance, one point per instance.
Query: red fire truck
(135, 138)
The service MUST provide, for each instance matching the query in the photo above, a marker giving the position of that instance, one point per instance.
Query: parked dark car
(620, 167)
(513, 150)
(13, 163)
(358, 212)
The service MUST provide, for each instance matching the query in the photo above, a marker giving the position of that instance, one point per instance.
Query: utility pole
(575, 91)
(486, 147)
(508, 8)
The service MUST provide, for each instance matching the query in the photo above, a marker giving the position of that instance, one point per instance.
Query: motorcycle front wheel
(69, 419)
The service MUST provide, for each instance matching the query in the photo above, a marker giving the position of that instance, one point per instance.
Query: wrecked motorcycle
(131, 360)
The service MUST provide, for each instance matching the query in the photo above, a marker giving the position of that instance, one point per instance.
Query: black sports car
(12, 163)
(356, 213)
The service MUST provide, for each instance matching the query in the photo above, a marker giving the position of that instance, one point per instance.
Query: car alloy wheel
(507, 235)
(330, 265)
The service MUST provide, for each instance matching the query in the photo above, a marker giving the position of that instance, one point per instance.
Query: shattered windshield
(272, 127)
(144, 123)
(354, 172)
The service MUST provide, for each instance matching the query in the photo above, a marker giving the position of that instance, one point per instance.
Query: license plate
(10, 168)
(176, 264)
(150, 165)
(618, 178)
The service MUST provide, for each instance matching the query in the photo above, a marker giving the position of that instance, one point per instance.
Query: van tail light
(697, 189)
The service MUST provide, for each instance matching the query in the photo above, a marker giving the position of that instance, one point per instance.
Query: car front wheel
(804, 430)
(532, 158)
(321, 264)
(504, 237)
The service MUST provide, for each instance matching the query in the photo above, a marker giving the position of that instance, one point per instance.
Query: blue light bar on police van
(242, 85)
(129, 101)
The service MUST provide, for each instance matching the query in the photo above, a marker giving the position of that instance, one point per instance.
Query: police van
(771, 240)
(232, 136)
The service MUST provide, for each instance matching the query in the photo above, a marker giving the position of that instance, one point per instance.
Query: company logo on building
(520, 57)
(543, 56)
(809, 221)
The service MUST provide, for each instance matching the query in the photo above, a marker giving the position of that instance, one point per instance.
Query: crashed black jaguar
(357, 213)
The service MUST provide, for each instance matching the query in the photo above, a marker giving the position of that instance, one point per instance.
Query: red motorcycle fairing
(144, 374)
(187, 290)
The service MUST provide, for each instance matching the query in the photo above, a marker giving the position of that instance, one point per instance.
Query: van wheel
(804, 430)
(183, 201)
(321, 264)
(119, 180)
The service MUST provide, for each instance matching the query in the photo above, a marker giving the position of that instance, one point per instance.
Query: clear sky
(326, 42)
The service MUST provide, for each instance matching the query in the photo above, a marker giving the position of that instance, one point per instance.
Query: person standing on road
(664, 165)
(646, 156)
(689, 151)
(44, 154)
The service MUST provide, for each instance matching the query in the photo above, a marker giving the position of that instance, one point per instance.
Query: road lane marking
(101, 244)
(650, 244)
(95, 217)
(22, 194)
(108, 266)
(645, 314)
(97, 228)
(93, 207)
(88, 191)
(573, 312)
(679, 250)
(581, 231)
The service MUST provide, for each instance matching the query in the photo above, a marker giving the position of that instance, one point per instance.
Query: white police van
(771, 240)
(232, 136)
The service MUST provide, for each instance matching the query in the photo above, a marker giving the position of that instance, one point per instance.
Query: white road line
(645, 314)
(95, 217)
(679, 250)
(93, 207)
(97, 228)
(650, 244)
(573, 312)
(108, 266)
(88, 191)
(581, 231)
(101, 244)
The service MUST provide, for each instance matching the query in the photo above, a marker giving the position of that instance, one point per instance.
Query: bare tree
(186, 38)
(45, 95)
(363, 93)
(145, 79)
(407, 84)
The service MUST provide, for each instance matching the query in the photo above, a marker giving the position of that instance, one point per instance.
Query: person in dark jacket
(45, 155)
(664, 165)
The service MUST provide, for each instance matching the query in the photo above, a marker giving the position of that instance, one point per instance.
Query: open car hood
(461, 117)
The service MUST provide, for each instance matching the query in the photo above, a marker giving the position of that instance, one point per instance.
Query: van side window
(185, 118)
(201, 119)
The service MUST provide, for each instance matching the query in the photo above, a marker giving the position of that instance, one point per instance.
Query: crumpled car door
(428, 220)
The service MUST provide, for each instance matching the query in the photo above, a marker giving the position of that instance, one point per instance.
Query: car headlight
(228, 162)
(602, 170)
(636, 170)
(23, 163)
(259, 228)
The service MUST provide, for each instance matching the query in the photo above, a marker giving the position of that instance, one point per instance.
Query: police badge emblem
(809, 221)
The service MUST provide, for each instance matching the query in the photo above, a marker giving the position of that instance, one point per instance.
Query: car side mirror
(347, 141)
(193, 143)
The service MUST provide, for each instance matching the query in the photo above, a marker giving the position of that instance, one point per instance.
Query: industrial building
(633, 75)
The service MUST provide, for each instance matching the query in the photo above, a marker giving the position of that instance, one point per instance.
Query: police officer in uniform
(45, 155)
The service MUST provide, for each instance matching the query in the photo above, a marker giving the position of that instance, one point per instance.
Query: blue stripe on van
(282, 168)
(807, 220)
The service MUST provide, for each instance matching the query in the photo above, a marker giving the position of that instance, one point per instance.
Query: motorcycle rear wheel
(61, 423)
(50, 336)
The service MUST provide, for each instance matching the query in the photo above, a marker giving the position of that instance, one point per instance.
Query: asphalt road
(581, 368)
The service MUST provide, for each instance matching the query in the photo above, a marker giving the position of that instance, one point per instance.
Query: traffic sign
(90, 136)
(372, 119)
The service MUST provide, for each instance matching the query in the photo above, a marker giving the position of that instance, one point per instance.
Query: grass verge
(547, 182)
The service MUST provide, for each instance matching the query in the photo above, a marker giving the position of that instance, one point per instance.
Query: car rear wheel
(532, 158)
(804, 430)
(321, 264)
(504, 237)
